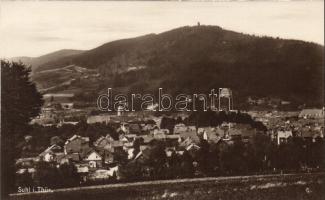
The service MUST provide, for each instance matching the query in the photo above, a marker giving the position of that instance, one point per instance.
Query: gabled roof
(86, 139)
(92, 152)
(73, 157)
(190, 134)
(138, 155)
(101, 139)
(51, 149)
(192, 146)
(187, 142)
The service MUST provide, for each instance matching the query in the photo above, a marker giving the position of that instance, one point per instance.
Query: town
(96, 148)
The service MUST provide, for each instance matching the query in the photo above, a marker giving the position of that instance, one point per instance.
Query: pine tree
(20, 102)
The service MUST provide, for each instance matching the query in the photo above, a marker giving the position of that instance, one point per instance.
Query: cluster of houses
(267, 101)
(307, 124)
(99, 159)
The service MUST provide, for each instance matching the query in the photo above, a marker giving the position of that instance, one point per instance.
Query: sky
(37, 28)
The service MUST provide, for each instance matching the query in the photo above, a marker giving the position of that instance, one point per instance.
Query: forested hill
(35, 62)
(196, 59)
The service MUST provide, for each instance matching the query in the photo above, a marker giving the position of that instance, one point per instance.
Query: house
(135, 129)
(142, 156)
(25, 162)
(109, 150)
(211, 134)
(160, 136)
(312, 113)
(191, 135)
(160, 131)
(282, 136)
(48, 157)
(82, 168)
(76, 144)
(46, 118)
(94, 159)
(192, 147)
(58, 157)
(61, 159)
(143, 147)
(74, 157)
(114, 171)
(83, 171)
(307, 134)
(24, 170)
(188, 145)
(146, 139)
(98, 119)
(188, 141)
(173, 140)
(103, 142)
(102, 174)
(178, 128)
(247, 132)
(148, 127)
(126, 138)
(115, 146)
(233, 134)
(127, 146)
(48, 154)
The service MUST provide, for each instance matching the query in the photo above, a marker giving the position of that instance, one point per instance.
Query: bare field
(289, 186)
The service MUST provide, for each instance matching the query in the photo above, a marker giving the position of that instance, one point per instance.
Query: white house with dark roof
(282, 136)
(94, 159)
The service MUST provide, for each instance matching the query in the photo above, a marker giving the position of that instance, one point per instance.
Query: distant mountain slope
(35, 62)
(196, 59)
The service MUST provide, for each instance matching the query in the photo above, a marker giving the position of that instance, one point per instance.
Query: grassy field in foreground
(295, 187)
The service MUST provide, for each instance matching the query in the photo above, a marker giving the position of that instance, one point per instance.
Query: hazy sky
(37, 28)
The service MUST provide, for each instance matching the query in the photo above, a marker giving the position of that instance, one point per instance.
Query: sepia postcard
(167, 99)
